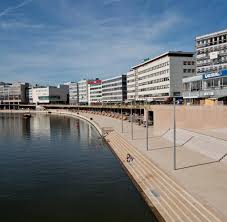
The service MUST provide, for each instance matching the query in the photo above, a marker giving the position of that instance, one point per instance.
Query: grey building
(211, 52)
(114, 90)
(14, 93)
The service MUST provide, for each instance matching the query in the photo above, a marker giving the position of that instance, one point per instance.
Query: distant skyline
(57, 41)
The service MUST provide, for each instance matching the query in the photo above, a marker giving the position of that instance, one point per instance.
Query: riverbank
(167, 199)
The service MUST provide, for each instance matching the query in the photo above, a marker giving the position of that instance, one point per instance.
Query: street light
(174, 133)
(131, 122)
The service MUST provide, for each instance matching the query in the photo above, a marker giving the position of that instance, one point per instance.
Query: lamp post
(147, 113)
(122, 118)
(131, 123)
(174, 133)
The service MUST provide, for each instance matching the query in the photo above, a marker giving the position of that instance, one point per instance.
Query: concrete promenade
(200, 169)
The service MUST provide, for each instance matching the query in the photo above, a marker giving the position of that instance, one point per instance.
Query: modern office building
(73, 93)
(50, 94)
(206, 88)
(95, 92)
(211, 52)
(114, 90)
(160, 78)
(13, 93)
(83, 91)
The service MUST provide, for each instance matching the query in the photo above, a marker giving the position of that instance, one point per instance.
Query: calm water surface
(58, 169)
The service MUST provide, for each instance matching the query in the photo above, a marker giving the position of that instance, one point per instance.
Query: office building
(114, 90)
(73, 93)
(211, 52)
(160, 78)
(95, 92)
(206, 88)
(50, 94)
(13, 93)
(83, 91)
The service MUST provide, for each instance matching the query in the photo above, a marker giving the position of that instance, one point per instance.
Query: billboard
(215, 74)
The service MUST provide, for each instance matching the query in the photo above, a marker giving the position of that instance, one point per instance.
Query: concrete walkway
(202, 176)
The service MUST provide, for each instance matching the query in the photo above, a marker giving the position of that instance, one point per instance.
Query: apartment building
(73, 93)
(160, 78)
(50, 94)
(211, 52)
(13, 93)
(114, 90)
(95, 92)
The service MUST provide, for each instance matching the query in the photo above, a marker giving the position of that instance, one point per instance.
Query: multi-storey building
(50, 94)
(211, 52)
(73, 93)
(94, 92)
(209, 88)
(114, 90)
(160, 78)
(83, 91)
(15, 93)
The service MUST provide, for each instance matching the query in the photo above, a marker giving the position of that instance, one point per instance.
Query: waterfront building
(73, 93)
(95, 92)
(211, 52)
(207, 88)
(114, 90)
(160, 78)
(13, 93)
(50, 94)
(83, 91)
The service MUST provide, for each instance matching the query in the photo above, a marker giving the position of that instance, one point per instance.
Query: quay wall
(191, 117)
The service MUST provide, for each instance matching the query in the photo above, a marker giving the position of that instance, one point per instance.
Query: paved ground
(199, 170)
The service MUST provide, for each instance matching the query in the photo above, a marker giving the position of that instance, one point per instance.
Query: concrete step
(171, 200)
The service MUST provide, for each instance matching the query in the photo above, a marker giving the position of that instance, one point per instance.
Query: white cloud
(13, 8)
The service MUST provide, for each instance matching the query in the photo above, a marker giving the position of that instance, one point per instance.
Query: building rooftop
(211, 34)
(169, 53)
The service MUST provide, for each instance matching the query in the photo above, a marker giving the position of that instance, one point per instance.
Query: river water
(58, 169)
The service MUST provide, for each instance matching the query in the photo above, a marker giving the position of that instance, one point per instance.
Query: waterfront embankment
(172, 195)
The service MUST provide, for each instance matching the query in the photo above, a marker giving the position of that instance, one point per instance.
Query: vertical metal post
(147, 113)
(122, 118)
(174, 133)
(131, 123)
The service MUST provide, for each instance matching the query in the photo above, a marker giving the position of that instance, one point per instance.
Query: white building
(94, 92)
(114, 90)
(50, 94)
(160, 78)
(73, 93)
(83, 91)
(211, 52)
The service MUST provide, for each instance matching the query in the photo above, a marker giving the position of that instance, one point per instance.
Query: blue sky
(54, 41)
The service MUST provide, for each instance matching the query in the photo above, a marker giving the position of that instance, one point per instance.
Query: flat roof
(169, 53)
(112, 78)
(211, 34)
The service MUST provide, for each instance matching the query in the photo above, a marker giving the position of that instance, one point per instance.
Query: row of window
(211, 69)
(114, 80)
(153, 95)
(189, 70)
(188, 63)
(112, 85)
(154, 81)
(155, 88)
(154, 67)
(212, 41)
(154, 74)
(221, 49)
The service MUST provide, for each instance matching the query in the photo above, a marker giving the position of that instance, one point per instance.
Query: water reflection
(58, 169)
